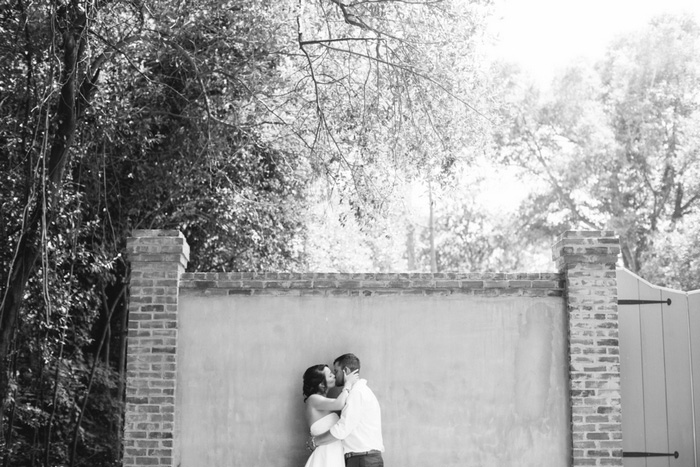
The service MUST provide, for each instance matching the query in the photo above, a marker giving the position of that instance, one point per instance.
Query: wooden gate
(660, 373)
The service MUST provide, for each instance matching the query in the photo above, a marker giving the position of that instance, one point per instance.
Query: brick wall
(157, 258)
(486, 284)
(587, 261)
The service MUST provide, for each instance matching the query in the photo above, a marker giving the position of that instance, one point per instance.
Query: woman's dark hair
(314, 381)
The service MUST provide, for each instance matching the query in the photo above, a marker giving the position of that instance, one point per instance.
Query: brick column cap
(586, 246)
(158, 246)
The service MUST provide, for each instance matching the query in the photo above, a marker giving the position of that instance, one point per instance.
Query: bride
(320, 412)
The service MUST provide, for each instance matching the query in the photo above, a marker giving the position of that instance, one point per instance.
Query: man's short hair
(348, 360)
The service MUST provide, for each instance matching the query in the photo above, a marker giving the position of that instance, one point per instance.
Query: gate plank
(694, 329)
(678, 382)
(631, 370)
(653, 375)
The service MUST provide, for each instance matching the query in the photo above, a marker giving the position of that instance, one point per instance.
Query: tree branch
(554, 183)
(413, 72)
(340, 39)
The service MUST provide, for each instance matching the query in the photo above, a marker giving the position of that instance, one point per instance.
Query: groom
(360, 424)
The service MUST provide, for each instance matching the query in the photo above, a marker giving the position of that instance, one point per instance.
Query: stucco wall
(463, 380)
(471, 368)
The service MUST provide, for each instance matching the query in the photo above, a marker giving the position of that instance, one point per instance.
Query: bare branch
(536, 150)
(340, 39)
(407, 2)
(412, 71)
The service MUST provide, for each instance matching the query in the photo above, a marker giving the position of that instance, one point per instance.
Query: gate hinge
(650, 454)
(621, 301)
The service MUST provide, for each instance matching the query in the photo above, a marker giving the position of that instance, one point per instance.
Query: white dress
(328, 455)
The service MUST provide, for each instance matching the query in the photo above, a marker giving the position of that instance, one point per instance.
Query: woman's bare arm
(328, 404)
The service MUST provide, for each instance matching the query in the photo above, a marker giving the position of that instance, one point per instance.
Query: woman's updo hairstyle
(314, 381)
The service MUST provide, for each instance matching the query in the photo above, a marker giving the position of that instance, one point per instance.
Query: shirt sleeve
(350, 415)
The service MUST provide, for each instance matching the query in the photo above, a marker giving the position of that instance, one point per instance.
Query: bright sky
(545, 35)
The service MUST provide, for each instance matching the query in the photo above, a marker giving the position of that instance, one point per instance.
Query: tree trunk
(123, 332)
(29, 247)
(96, 361)
(106, 349)
(9, 310)
(10, 425)
(431, 230)
(411, 247)
(54, 405)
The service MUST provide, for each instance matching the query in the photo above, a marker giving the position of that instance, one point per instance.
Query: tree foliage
(204, 116)
(616, 145)
(115, 119)
(392, 89)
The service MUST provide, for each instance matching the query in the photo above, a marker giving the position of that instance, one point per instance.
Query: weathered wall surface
(471, 369)
(463, 379)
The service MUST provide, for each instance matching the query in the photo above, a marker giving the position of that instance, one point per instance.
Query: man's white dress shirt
(360, 425)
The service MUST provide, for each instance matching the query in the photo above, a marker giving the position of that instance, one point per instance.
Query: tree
(142, 133)
(207, 117)
(393, 90)
(673, 262)
(617, 145)
(475, 227)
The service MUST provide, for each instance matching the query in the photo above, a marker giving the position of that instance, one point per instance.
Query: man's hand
(351, 379)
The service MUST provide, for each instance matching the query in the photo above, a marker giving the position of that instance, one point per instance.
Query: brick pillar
(587, 263)
(158, 258)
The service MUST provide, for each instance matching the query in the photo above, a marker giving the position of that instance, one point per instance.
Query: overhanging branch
(340, 39)
(412, 71)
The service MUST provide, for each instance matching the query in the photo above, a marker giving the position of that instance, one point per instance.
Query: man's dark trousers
(370, 460)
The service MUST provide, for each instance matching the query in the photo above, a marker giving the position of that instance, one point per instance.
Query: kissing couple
(353, 439)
